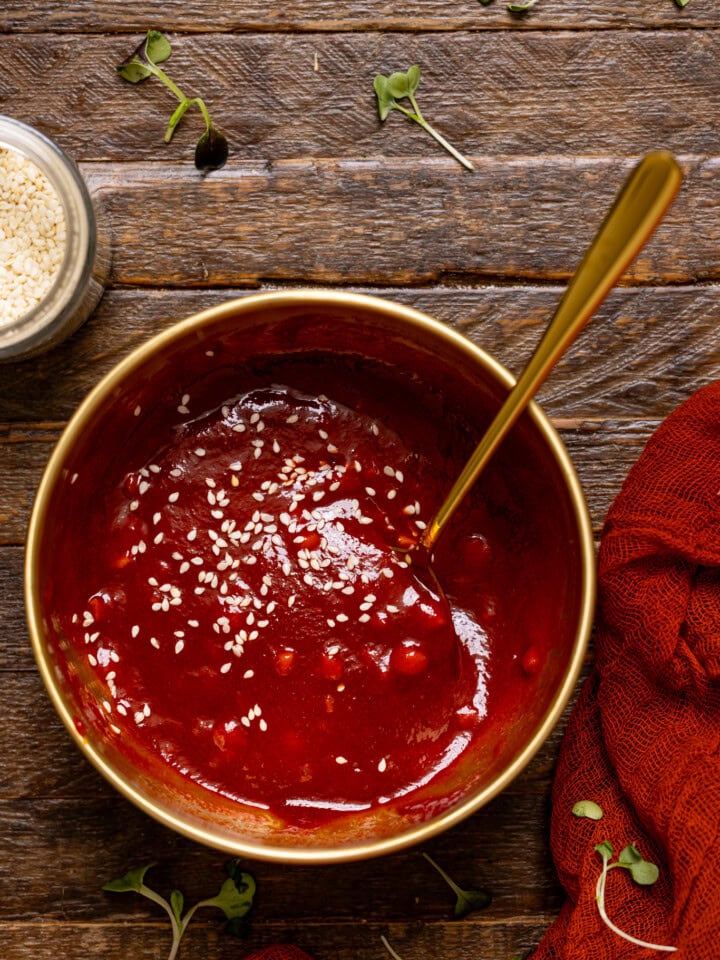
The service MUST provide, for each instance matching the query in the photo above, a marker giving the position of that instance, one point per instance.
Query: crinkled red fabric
(279, 951)
(644, 738)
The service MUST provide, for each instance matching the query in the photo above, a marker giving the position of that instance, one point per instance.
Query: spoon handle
(639, 207)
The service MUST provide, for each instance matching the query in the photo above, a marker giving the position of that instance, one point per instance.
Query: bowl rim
(304, 298)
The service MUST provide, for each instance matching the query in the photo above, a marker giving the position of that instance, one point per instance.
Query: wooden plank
(602, 451)
(14, 645)
(644, 353)
(522, 93)
(466, 940)
(103, 16)
(29, 728)
(358, 222)
(95, 841)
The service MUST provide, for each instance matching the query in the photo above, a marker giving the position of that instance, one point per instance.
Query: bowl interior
(310, 342)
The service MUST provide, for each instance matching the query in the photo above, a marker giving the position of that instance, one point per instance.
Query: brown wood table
(553, 108)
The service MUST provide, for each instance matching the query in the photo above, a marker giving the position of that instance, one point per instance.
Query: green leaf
(605, 850)
(467, 900)
(521, 7)
(413, 76)
(629, 855)
(470, 900)
(485, 3)
(588, 809)
(157, 47)
(176, 902)
(644, 873)
(682, 3)
(385, 102)
(132, 881)
(235, 898)
(133, 71)
(398, 85)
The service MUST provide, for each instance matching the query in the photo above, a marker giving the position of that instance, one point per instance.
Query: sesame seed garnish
(248, 675)
(391, 494)
(263, 724)
(134, 504)
(179, 646)
(340, 760)
(185, 399)
(225, 667)
(135, 631)
(200, 452)
(137, 411)
(173, 497)
(382, 766)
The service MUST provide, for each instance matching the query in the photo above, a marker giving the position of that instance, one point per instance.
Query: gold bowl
(260, 329)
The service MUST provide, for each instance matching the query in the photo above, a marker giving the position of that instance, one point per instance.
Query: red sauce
(252, 621)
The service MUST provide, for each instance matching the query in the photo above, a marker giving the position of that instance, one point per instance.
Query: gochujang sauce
(252, 620)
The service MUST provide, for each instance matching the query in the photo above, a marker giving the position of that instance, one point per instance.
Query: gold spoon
(639, 207)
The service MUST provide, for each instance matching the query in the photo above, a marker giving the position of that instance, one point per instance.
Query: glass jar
(80, 279)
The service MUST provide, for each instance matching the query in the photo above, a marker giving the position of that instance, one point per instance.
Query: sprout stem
(600, 897)
(390, 950)
(418, 118)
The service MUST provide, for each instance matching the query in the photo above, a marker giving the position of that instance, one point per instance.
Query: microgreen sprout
(467, 900)
(211, 151)
(402, 86)
(522, 7)
(588, 809)
(234, 899)
(642, 872)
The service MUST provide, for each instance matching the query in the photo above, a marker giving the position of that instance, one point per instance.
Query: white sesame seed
(263, 724)
(199, 451)
(134, 504)
(185, 399)
(382, 766)
(135, 631)
(179, 646)
(173, 498)
(137, 411)
(391, 494)
(225, 667)
(248, 675)
(340, 760)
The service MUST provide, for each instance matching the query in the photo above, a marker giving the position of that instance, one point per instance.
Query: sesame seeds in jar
(32, 235)
(54, 259)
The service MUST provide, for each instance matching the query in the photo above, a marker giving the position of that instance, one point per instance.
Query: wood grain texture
(97, 840)
(356, 222)
(467, 940)
(325, 15)
(519, 94)
(644, 353)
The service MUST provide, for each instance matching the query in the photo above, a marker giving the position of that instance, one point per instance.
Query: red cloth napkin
(644, 738)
